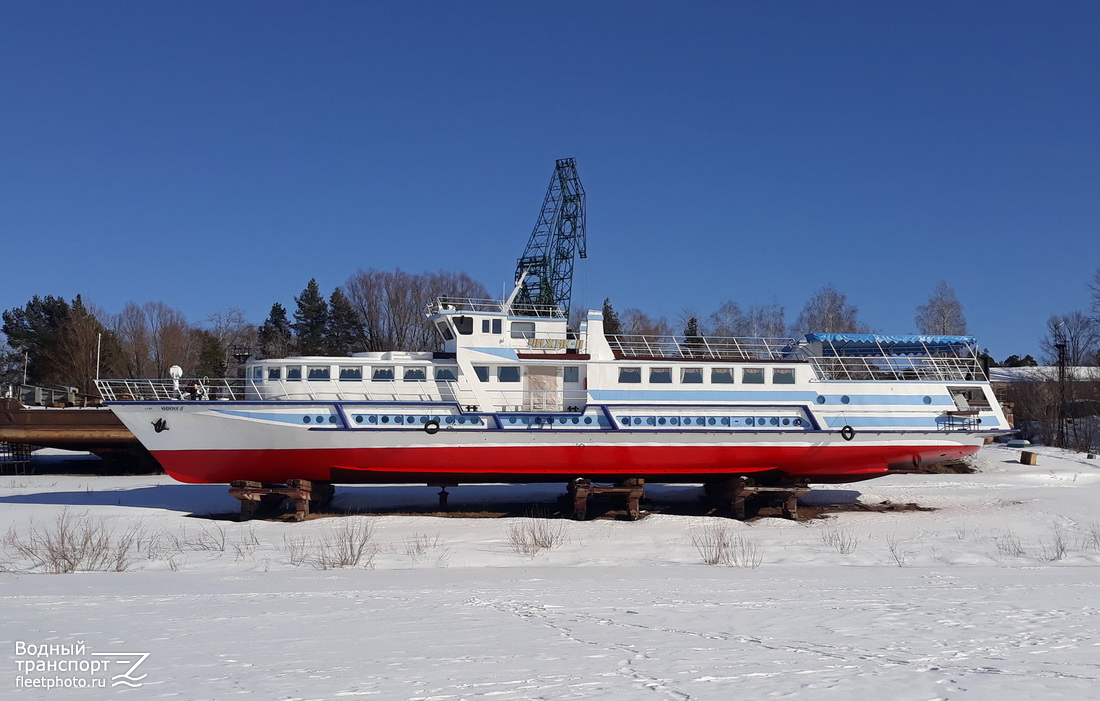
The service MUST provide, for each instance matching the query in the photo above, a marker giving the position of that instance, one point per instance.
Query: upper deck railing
(493, 306)
(899, 368)
(677, 348)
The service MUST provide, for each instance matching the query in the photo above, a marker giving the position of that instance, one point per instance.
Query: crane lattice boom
(558, 237)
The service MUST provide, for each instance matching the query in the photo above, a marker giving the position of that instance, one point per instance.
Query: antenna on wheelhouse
(544, 273)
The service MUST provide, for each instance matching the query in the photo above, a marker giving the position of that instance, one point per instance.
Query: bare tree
(391, 305)
(726, 320)
(828, 311)
(1080, 333)
(154, 337)
(942, 315)
(635, 322)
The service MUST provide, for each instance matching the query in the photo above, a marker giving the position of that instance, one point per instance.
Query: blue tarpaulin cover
(912, 344)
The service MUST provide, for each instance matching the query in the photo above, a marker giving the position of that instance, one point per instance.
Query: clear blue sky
(212, 155)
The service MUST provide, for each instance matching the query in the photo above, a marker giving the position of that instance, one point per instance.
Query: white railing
(899, 368)
(673, 347)
(414, 391)
(494, 306)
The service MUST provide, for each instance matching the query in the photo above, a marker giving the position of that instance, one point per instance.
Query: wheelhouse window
(294, 372)
(415, 372)
(482, 372)
(464, 325)
(691, 376)
(274, 373)
(630, 376)
(508, 373)
(783, 376)
(319, 372)
(523, 329)
(382, 372)
(256, 373)
(351, 372)
(571, 373)
(660, 376)
(721, 376)
(752, 376)
(444, 330)
(447, 373)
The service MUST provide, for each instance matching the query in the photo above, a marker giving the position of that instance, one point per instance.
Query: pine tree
(275, 337)
(611, 324)
(311, 320)
(345, 331)
(692, 339)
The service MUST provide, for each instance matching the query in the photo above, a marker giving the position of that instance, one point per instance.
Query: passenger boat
(516, 397)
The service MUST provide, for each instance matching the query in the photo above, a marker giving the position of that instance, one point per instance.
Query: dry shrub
(75, 543)
(351, 544)
(840, 539)
(718, 545)
(536, 532)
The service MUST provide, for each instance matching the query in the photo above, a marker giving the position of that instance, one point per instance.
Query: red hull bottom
(832, 463)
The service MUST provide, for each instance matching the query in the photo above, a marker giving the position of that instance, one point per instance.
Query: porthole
(588, 419)
(511, 419)
(927, 400)
(725, 421)
(774, 421)
(786, 422)
(845, 399)
(385, 419)
(798, 422)
(448, 419)
(820, 399)
(306, 419)
(576, 420)
(358, 418)
(332, 419)
(749, 422)
(372, 419)
(320, 419)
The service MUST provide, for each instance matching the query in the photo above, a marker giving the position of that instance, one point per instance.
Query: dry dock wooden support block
(1029, 458)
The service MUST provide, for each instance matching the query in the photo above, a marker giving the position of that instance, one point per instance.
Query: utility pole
(1060, 346)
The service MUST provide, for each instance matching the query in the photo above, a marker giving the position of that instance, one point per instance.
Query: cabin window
(351, 372)
(319, 372)
(294, 372)
(274, 373)
(783, 376)
(721, 376)
(256, 373)
(415, 372)
(660, 376)
(752, 376)
(464, 325)
(444, 330)
(508, 373)
(382, 372)
(968, 398)
(484, 326)
(496, 326)
(571, 373)
(482, 372)
(523, 329)
(691, 376)
(446, 372)
(630, 376)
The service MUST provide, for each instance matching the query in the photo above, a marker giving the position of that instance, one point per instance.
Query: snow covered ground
(993, 595)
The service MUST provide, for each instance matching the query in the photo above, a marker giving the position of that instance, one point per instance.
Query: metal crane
(544, 273)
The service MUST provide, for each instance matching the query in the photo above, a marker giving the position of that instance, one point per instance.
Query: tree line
(53, 341)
